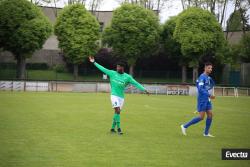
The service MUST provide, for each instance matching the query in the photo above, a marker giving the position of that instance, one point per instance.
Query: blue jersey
(204, 83)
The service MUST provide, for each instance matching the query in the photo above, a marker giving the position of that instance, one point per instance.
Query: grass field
(72, 130)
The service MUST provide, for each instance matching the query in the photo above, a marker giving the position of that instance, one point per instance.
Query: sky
(172, 8)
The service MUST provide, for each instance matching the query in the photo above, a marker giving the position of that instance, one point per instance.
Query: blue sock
(208, 124)
(193, 121)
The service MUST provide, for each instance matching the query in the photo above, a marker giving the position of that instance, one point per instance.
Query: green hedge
(29, 66)
(37, 66)
(7, 65)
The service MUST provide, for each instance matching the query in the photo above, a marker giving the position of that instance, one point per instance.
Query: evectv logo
(235, 154)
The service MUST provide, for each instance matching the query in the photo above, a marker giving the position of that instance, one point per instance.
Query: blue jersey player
(204, 106)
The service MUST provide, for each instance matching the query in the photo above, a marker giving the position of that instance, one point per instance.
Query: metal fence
(228, 77)
(158, 89)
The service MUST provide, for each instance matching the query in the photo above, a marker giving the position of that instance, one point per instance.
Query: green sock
(114, 122)
(117, 118)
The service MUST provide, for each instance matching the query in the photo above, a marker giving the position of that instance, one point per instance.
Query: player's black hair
(121, 63)
(208, 64)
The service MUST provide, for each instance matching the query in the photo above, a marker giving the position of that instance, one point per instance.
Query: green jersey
(118, 82)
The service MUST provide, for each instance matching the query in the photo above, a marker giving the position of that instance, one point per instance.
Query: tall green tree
(78, 32)
(242, 6)
(244, 48)
(23, 30)
(171, 47)
(199, 35)
(133, 33)
(235, 23)
(216, 7)
(155, 5)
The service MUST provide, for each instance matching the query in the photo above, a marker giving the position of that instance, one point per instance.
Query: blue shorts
(204, 106)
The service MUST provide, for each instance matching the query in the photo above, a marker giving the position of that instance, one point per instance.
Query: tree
(199, 35)
(77, 31)
(241, 7)
(133, 33)
(71, 2)
(238, 20)
(216, 7)
(234, 22)
(172, 47)
(36, 2)
(156, 5)
(47, 3)
(94, 5)
(244, 48)
(23, 30)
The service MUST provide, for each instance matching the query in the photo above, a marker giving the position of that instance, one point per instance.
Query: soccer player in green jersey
(118, 82)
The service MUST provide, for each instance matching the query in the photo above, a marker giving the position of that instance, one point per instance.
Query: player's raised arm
(138, 85)
(101, 68)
